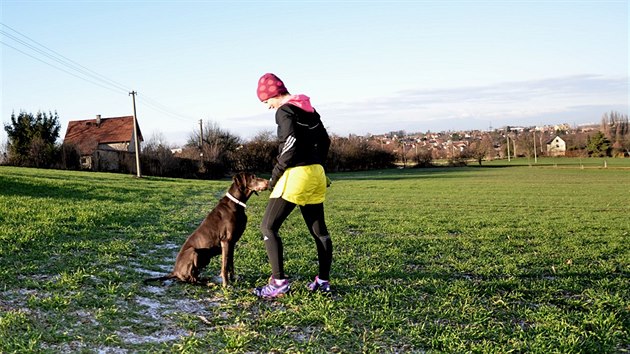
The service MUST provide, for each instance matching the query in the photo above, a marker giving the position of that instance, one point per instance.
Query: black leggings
(276, 213)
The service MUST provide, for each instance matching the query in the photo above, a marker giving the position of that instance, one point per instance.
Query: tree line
(32, 141)
(215, 152)
(218, 152)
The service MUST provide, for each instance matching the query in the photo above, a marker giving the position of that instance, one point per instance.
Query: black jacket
(303, 139)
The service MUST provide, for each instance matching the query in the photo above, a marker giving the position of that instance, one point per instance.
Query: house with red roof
(105, 144)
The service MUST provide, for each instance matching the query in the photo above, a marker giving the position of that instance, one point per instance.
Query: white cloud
(573, 99)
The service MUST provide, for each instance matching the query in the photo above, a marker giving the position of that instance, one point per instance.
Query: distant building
(556, 147)
(105, 144)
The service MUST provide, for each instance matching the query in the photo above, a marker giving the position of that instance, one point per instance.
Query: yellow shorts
(301, 185)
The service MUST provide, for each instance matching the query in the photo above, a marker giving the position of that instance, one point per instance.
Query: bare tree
(481, 149)
(525, 144)
(217, 148)
(258, 154)
(422, 157)
(158, 157)
(3, 150)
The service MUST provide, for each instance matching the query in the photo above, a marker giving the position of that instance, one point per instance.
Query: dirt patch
(154, 307)
(151, 316)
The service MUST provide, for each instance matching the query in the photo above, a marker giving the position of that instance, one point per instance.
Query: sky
(370, 67)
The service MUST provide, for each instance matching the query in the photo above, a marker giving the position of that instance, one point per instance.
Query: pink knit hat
(270, 86)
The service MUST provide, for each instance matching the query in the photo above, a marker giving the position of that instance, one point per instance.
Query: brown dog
(218, 233)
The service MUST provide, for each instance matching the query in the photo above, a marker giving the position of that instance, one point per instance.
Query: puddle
(151, 273)
(156, 290)
(162, 336)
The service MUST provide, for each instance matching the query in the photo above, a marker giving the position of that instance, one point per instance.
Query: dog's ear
(236, 180)
(240, 180)
(247, 179)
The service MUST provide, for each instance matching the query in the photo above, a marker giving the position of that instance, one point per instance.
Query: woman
(298, 178)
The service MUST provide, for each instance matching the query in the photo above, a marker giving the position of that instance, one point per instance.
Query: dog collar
(232, 198)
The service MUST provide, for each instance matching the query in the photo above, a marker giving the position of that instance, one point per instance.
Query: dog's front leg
(230, 262)
(225, 255)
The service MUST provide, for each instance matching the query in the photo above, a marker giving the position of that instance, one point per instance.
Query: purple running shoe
(324, 287)
(273, 290)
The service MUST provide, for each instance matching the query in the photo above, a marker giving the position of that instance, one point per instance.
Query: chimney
(98, 120)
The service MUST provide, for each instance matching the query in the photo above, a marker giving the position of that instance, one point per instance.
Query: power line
(82, 72)
(161, 108)
(62, 62)
(58, 68)
(62, 59)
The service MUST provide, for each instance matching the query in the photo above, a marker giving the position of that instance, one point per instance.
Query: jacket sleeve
(323, 145)
(286, 137)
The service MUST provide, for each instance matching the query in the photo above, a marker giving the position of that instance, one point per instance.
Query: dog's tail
(162, 278)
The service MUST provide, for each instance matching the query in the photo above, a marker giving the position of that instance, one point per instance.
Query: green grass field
(495, 259)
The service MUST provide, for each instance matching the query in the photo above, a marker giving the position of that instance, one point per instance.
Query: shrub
(355, 154)
(67, 157)
(257, 155)
(423, 158)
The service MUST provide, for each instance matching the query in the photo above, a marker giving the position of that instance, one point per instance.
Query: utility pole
(135, 134)
(404, 160)
(507, 137)
(535, 155)
(202, 168)
(200, 133)
(514, 145)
